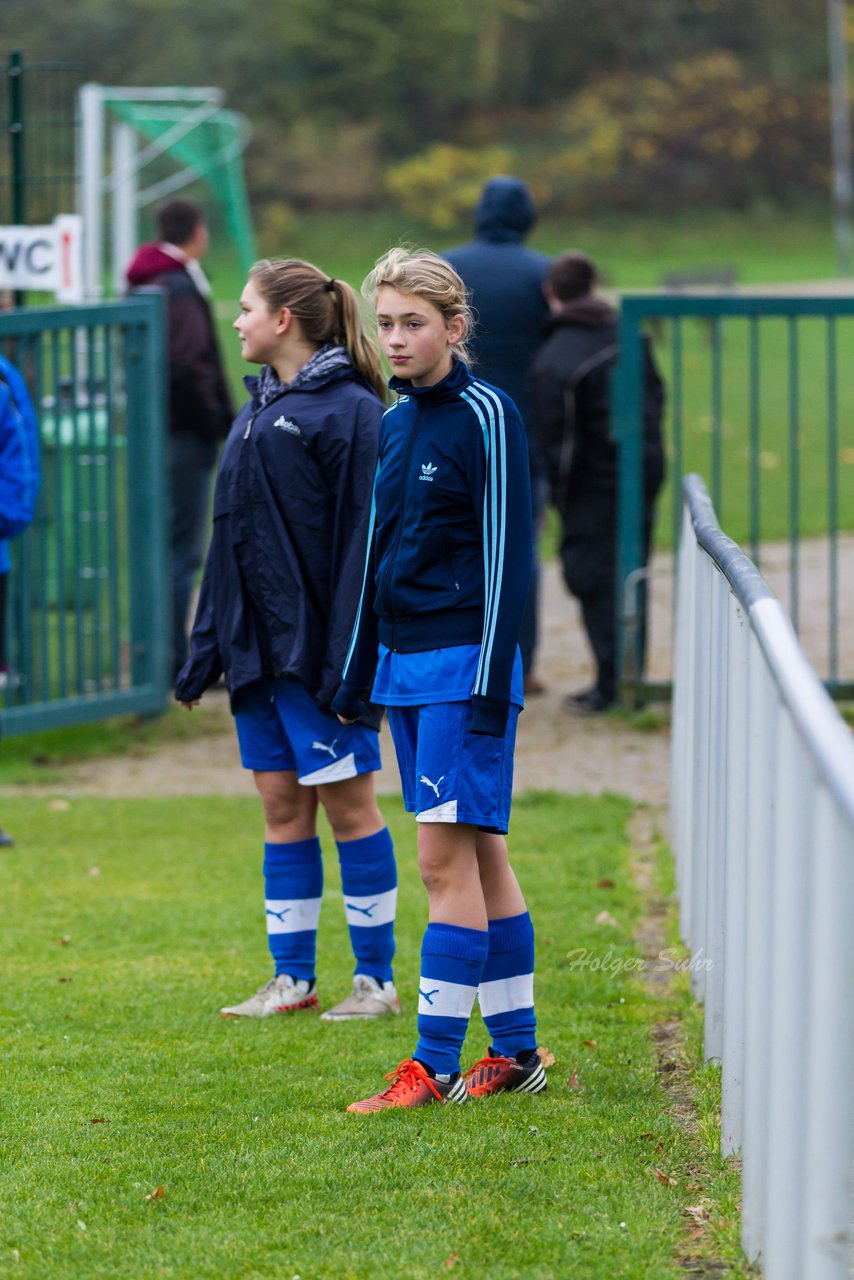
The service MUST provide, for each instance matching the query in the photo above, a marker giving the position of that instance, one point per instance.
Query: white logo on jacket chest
(427, 471)
(286, 425)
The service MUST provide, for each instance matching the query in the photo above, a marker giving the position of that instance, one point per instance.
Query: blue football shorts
(279, 728)
(450, 774)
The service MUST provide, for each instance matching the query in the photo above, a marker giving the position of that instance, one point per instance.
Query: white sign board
(45, 258)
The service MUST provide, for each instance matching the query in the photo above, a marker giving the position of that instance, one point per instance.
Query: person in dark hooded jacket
(505, 280)
(571, 391)
(281, 585)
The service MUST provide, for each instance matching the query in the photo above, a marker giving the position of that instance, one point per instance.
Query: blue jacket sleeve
(360, 662)
(204, 665)
(501, 490)
(19, 453)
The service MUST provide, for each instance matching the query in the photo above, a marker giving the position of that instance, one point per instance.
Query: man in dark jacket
(200, 410)
(571, 389)
(506, 280)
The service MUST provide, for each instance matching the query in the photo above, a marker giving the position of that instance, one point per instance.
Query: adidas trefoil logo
(287, 426)
(427, 471)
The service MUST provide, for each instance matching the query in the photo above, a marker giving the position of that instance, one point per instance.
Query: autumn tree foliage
(645, 104)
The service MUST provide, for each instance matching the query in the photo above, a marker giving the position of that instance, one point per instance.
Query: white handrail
(762, 828)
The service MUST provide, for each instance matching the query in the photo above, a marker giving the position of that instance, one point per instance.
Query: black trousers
(589, 560)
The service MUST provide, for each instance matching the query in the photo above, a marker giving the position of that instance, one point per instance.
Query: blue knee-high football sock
(452, 960)
(506, 991)
(369, 885)
(293, 879)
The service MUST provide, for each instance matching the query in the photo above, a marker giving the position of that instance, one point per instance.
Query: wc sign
(45, 258)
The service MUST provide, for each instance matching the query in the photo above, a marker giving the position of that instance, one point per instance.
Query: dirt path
(555, 750)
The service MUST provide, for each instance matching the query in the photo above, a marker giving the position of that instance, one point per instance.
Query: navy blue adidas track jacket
(292, 508)
(449, 557)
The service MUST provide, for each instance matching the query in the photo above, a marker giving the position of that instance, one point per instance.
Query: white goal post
(146, 124)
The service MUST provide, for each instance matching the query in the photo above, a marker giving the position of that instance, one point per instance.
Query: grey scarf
(327, 358)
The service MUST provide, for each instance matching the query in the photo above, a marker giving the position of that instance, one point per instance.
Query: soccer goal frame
(191, 128)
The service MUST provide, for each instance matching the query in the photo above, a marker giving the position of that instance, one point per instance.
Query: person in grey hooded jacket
(505, 280)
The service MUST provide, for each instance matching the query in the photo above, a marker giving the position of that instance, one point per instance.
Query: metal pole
(90, 196)
(840, 115)
(124, 203)
(16, 136)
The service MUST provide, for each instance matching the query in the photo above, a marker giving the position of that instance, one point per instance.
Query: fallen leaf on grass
(605, 917)
(65, 979)
(64, 940)
(697, 1212)
(98, 1120)
(547, 1058)
(589, 1044)
(159, 1193)
(606, 884)
(451, 1260)
(59, 806)
(573, 1082)
(664, 1178)
(648, 1137)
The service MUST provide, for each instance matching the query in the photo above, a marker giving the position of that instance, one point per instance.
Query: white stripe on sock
(371, 910)
(505, 994)
(292, 915)
(441, 999)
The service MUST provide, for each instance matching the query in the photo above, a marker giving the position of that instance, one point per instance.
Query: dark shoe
(6, 840)
(589, 703)
(532, 685)
(496, 1074)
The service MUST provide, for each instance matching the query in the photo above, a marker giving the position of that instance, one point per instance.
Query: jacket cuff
(489, 715)
(349, 704)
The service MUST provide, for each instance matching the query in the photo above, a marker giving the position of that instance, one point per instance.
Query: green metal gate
(760, 403)
(87, 612)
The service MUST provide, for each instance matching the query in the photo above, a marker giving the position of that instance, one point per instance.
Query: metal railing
(87, 611)
(760, 399)
(762, 827)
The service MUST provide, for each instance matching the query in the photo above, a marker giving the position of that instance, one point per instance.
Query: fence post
(786, 985)
(735, 841)
(762, 765)
(144, 365)
(712, 965)
(628, 432)
(16, 140)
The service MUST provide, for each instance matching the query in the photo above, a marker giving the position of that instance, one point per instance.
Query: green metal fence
(38, 119)
(87, 610)
(760, 403)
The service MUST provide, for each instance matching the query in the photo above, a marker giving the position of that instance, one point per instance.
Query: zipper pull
(248, 427)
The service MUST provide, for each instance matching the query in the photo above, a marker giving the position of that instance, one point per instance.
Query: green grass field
(129, 922)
